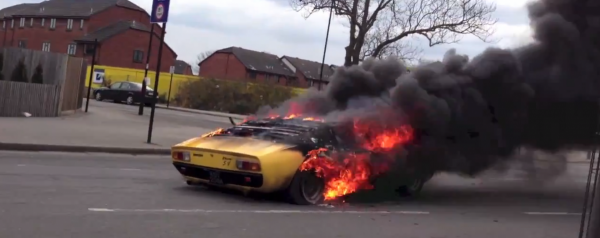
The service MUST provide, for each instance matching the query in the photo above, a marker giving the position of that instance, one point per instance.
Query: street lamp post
(325, 48)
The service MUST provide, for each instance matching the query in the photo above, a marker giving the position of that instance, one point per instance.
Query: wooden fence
(40, 100)
(63, 78)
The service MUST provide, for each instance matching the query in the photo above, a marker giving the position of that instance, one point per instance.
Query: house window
(46, 46)
(43, 20)
(81, 24)
(89, 49)
(12, 24)
(138, 56)
(72, 49)
(69, 24)
(31, 22)
(252, 75)
(3, 24)
(22, 44)
(22, 22)
(53, 23)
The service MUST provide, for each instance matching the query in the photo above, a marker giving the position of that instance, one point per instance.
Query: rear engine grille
(228, 177)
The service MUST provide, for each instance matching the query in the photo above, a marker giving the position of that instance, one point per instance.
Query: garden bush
(19, 73)
(229, 96)
(38, 75)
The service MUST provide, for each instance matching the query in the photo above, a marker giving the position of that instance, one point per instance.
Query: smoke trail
(471, 114)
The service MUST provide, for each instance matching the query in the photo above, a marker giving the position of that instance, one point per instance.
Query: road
(99, 195)
(166, 115)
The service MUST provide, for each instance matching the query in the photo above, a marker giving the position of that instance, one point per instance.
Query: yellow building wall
(114, 74)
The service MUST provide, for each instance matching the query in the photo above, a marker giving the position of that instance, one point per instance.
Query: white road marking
(552, 214)
(258, 211)
(130, 169)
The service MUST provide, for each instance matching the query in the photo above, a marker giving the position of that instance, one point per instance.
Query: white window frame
(69, 24)
(53, 23)
(81, 24)
(72, 49)
(43, 21)
(46, 46)
(12, 24)
(31, 22)
(4, 24)
(22, 22)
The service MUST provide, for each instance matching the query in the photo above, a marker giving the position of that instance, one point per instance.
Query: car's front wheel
(306, 189)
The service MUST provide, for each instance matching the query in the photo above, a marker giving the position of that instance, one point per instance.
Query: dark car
(128, 92)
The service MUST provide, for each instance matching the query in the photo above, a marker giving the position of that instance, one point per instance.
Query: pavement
(107, 127)
(57, 195)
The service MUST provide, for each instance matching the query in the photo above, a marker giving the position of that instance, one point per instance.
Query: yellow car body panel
(278, 164)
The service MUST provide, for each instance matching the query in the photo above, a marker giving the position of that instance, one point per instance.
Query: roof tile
(310, 69)
(259, 61)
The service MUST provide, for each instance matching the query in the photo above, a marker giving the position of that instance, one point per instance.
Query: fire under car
(266, 156)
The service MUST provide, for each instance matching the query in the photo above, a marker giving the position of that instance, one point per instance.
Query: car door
(124, 91)
(111, 91)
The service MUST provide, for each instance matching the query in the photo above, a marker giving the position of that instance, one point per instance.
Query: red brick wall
(35, 35)
(116, 14)
(227, 66)
(118, 50)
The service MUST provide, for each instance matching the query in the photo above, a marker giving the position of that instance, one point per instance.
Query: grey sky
(196, 26)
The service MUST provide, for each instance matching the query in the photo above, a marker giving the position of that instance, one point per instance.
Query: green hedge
(230, 96)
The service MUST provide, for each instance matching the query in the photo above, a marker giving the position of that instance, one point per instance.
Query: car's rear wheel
(306, 189)
(129, 100)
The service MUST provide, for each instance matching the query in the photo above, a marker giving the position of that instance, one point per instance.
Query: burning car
(308, 159)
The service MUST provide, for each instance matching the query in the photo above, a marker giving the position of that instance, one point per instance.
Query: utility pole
(593, 230)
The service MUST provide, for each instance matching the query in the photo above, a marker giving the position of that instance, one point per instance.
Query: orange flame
(340, 178)
(212, 133)
(349, 172)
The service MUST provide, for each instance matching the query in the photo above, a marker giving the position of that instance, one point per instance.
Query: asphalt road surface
(98, 195)
(166, 115)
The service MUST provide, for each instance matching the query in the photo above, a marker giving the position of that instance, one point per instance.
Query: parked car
(128, 92)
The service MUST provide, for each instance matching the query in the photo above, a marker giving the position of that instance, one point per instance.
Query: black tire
(413, 189)
(300, 191)
(129, 100)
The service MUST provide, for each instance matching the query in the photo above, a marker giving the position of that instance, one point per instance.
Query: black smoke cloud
(471, 114)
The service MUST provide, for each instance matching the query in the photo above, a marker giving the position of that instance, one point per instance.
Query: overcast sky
(196, 26)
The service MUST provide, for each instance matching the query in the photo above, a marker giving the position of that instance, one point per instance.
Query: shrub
(38, 75)
(230, 96)
(1, 64)
(19, 74)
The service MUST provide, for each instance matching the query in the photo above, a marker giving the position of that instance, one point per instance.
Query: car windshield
(139, 86)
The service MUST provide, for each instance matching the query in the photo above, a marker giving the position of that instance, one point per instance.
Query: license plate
(215, 177)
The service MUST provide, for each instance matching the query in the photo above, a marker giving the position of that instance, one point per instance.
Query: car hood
(231, 144)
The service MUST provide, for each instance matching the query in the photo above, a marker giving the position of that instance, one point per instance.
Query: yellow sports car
(263, 155)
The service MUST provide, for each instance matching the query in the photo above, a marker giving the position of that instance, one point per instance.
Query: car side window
(115, 85)
(125, 86)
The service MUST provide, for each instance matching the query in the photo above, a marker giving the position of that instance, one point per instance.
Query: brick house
(182, 67)
(70, 26)
(308, 72)
(235, 63)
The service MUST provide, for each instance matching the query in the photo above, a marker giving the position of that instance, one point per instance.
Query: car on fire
(266, 156)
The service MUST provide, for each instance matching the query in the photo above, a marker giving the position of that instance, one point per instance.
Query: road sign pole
(162, 42)
(594, 224)
(170, 84)
(142, 104)
(87, 102)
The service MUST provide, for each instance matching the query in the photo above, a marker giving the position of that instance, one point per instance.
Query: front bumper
(227, 177)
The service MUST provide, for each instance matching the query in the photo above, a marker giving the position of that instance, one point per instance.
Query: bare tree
(200, 58)
(380, 28)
